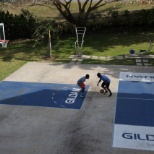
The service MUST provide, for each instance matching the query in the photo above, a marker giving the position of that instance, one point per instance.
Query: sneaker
(110, 94)
(105, 91)
(81, 95)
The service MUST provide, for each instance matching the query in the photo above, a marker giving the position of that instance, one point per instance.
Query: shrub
(18, 26)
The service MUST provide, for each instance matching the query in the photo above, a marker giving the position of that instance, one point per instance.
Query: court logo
(140, 76)
(129, 76)
(41, 94)
(72, 96)
(133, 136)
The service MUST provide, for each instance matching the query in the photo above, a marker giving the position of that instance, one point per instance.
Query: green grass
(114, 44)
(49, 11)
(95, 43)
(121, 6)
(107, 44)
(6, 68)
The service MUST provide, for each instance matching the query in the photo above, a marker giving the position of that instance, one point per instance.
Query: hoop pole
(79, 31)
(50, 47)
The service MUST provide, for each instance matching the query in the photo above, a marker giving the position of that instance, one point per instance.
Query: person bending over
(81, 84)
(106, 83)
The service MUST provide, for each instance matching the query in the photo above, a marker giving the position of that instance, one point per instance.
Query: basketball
(102, 91)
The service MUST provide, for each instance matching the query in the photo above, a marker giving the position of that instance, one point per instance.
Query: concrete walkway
(141, 60)
(43, 130)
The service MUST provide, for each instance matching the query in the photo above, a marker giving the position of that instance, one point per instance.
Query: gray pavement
(43, 130)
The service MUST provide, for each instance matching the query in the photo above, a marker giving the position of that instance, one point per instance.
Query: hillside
(43, 10)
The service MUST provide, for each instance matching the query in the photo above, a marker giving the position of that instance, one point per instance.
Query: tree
(85, 7)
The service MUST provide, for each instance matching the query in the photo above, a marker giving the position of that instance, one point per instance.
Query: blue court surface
(41, 94)
(134, 118)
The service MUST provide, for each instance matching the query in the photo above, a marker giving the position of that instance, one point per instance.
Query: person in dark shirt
(81, 84)
(106, 83)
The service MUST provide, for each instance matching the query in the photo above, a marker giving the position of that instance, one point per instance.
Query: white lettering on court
(72, 96)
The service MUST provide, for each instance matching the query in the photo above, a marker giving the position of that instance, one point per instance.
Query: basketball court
(41, 94)
(41, 111)
(134, 123)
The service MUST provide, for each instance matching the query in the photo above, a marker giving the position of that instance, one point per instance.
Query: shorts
(82, 85)
(107, 84)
